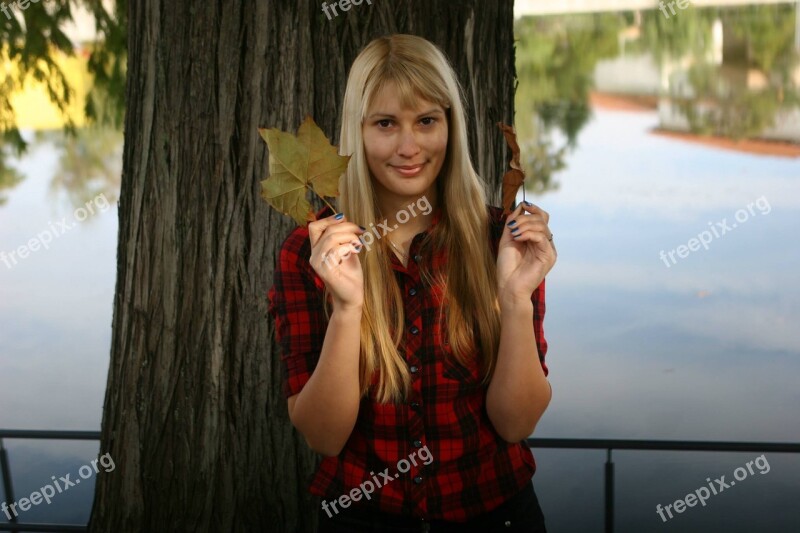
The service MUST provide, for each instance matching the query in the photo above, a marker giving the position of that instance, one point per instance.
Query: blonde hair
(419, 70)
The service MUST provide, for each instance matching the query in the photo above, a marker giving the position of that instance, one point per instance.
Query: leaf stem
(322, 198)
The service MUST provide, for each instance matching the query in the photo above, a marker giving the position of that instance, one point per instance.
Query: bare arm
(519, 392)
(325, 411)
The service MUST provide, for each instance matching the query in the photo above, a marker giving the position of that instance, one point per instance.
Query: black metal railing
(584, 444)
(5, 473)
(662, 445)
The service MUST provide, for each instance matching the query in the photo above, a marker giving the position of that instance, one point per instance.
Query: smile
(409, 171)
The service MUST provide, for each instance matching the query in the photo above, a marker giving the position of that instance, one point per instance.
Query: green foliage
(32, 41)
(758, 39)
(89, 165)
(556, 57)
(686, 33)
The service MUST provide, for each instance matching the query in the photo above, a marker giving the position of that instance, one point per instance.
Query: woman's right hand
(335, 246)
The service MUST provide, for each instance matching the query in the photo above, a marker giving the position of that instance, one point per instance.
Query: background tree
(194, 416)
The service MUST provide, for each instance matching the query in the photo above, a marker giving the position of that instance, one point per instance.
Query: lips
(409, 170)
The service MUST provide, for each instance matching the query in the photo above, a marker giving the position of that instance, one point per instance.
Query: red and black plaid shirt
(473, 470)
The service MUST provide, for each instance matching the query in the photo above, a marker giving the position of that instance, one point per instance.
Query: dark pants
(519, 514)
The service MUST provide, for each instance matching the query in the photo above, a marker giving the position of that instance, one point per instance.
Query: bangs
(414, 82)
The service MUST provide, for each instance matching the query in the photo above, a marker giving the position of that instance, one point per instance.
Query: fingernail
(339, 216)
(514, 231)
(528, 203)
(511, 223)
(363, 228)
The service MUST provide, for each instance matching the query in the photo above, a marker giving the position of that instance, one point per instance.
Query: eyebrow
(435, 111)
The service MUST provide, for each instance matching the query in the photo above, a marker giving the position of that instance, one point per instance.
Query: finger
(535, 209)
(338, 233)
(318, 227)
(523, 212)
(336, 255)
(532, 222)
(513, 218)
(539, 236)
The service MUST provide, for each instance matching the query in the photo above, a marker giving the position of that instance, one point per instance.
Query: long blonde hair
(419, 70)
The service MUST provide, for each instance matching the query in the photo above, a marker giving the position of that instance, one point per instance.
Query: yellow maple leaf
(298, 163)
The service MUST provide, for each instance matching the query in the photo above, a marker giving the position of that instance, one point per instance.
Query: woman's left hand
(525, 256)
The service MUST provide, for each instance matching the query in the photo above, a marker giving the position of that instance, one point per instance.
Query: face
(405, 147)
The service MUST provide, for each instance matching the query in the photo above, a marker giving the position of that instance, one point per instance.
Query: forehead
(390, 98)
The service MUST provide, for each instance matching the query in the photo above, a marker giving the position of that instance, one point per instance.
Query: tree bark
(194, 417)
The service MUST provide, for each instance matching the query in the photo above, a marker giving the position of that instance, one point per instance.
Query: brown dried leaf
(515, 177)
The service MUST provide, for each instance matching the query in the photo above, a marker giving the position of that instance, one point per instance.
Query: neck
(410, 214)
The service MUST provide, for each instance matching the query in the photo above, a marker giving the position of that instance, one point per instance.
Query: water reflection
(89, 166)
(555, 60)
(9, 178)
(702, 349)
(727, 72)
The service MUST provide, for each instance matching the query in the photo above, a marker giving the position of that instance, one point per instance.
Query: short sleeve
(296, 305)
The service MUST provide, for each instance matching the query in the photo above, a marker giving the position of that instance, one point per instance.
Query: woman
(417, 368)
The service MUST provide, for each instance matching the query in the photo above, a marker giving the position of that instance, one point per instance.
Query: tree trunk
(194, 417)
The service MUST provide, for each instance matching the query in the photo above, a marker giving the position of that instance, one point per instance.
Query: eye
(384, 123)
(428, 121)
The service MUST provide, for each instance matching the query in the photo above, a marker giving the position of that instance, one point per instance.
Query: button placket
(414, 306)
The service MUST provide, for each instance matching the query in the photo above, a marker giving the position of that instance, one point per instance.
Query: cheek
(440, 143)
(374, 150)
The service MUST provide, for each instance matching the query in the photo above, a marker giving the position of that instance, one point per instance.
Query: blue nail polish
(511, 223)
(514, 231)
(528, 203)
(363, 228)
(339, 216)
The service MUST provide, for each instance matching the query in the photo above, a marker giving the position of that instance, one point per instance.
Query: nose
(408, 145)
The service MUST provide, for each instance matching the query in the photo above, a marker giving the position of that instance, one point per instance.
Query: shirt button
(418, 480)
(415, 406)
(417, 258)
(414, 369)
(417, 444)
(414, 330)
(412, 291)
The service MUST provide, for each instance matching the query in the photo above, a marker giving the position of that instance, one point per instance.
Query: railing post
(609, 492)
(6, 473)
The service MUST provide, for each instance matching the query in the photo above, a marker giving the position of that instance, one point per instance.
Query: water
(55, 311)
(704, 349)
